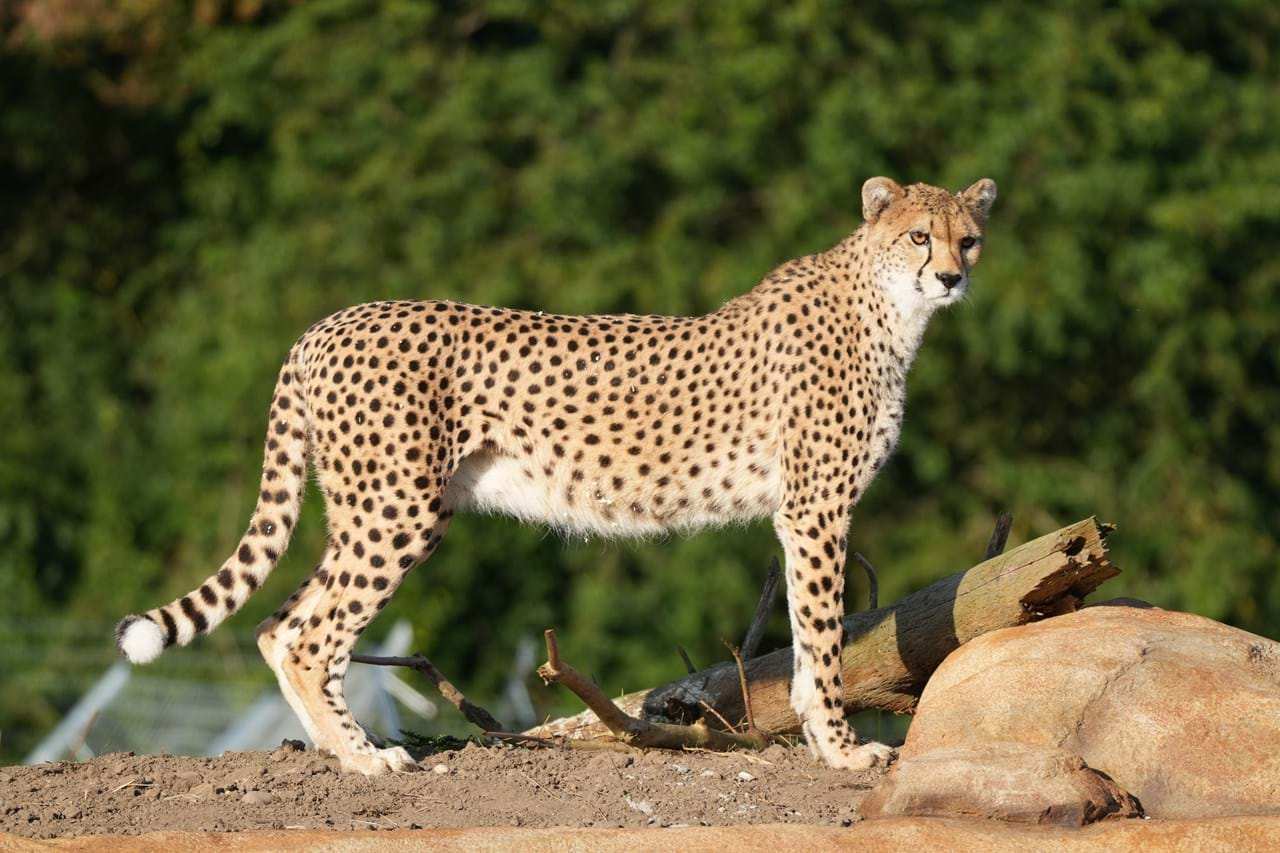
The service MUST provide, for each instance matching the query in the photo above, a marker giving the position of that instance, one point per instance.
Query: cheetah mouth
(945, 297)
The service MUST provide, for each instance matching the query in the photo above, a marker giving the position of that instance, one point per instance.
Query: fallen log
(889, 652)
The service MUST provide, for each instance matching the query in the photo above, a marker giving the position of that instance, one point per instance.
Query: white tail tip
(140, 639)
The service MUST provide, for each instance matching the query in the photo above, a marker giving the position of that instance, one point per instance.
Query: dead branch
(746, 689)
(1000, 535)
(889, 652)
(873, 582)
(728, 726)
(751, 642)
(604, 743)
(629, 730)
(475, 715)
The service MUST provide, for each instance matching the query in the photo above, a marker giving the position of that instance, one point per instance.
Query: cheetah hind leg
(278, 641)
(312, 653)
(315, 633)
(276, 633)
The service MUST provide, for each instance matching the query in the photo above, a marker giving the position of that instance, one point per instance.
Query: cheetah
(784, 403)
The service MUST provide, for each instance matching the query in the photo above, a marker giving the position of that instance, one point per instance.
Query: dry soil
(499, 786)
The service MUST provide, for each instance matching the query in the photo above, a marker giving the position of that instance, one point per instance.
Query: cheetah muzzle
(783, 403)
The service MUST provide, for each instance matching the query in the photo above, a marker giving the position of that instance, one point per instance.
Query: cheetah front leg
(813, 541)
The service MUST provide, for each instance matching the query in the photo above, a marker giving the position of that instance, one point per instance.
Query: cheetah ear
(978, 199)
(877, 194)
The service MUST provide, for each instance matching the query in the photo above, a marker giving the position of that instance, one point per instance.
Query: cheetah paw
(379, 761)
(865, 757)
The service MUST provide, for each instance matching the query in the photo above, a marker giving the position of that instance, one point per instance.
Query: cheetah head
(924, 240)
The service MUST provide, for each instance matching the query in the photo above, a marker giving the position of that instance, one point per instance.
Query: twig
(534, 783)
(751, 642)
(753, 759)
(559, 742)
(519, 738)
(746, 691)
(873, 583)
(710, 709)
(628, 729)
(475, 715)
(1000, 535)
(684, 656)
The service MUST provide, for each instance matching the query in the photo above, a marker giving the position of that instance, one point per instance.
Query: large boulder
(1005, 781)
(1180, 711)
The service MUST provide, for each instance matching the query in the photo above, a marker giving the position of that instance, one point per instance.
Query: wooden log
(889, 652)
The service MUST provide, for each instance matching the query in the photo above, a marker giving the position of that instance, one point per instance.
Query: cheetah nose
(949, 279)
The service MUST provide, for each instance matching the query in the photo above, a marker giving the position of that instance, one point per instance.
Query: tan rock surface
(893, 835)
(1005, 781)
(1181, 711)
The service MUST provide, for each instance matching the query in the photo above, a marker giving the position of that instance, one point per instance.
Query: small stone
(203, 790)
(641, 806)
(680, 768)
(709, 774)
(744, 776)
(440, 769)
(292, 745)
(258, 798)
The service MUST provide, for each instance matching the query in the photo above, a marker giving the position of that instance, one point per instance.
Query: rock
(641, 806)
(258, 798)
(893, 835)
(1124, 601)
(1006, 781)
(744, 776)
(1180, 711)
(203, 791)
(440, 769)
(188, 778)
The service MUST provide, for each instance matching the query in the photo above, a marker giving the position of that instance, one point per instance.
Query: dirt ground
(476, 785)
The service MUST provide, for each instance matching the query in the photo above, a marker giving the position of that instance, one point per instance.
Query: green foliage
(160, 252)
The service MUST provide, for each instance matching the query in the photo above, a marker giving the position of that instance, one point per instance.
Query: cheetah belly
(495, 482)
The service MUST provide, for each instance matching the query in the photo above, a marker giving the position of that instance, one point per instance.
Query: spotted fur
(781, 404)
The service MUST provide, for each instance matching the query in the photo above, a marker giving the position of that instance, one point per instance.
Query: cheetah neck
(903, 319)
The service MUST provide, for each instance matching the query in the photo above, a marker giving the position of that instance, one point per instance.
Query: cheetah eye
(968, 243)
(919, 238)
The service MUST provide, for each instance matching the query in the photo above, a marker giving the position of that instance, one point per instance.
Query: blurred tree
(185, 188)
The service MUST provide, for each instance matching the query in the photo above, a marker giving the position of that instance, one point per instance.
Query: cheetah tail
(142, 638)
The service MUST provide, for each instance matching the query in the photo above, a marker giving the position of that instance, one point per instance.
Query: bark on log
(890, 652)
